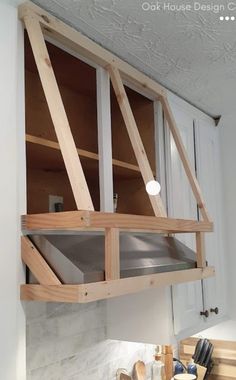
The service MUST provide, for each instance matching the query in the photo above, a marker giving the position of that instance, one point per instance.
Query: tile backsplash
(69, 342)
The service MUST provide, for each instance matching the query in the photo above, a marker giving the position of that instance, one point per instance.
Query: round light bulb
(153, 187)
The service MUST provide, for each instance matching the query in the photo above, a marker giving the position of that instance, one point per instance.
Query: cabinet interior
(46, 173)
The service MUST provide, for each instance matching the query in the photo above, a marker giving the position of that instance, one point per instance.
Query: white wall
(12, 323)
(228, 147)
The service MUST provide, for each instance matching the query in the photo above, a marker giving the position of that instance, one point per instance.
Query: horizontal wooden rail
(77, 220)
(107, 289)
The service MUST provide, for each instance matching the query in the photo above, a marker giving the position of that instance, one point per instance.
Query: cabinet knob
(216, 310)
(205, 313)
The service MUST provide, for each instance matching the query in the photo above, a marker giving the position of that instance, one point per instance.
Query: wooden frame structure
(39, 23)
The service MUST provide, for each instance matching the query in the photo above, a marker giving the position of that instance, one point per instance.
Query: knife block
(200, 370)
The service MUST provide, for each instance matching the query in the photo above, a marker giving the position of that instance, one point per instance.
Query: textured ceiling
(192, 53)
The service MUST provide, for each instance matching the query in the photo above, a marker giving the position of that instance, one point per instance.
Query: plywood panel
(74, 220)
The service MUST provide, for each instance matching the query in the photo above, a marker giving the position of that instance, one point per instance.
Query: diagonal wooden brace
(57, 111)
(135, 138)
(36, 263)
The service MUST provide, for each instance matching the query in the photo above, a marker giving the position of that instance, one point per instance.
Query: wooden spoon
(122, 374)
(139, 371)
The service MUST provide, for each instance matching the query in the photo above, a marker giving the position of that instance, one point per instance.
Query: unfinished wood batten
(36, 263)
(107, 289)
(85, 220)
(112, 254)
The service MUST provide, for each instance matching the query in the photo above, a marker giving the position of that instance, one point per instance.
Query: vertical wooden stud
(200, 249)
(160, 149)
(112, 254)
(135, 138)
(58, 115)
(104, 140)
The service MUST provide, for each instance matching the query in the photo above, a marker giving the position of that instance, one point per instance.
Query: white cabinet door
(187, 298)
(209, 176)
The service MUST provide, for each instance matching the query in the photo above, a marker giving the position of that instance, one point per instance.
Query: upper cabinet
(186, 298)
(209, 174)
(201, 139)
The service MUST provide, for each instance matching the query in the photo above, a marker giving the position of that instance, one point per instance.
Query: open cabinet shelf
(84, 154)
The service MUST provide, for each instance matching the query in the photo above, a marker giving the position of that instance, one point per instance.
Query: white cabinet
(186, 298)
(209, 176)
(201, 140)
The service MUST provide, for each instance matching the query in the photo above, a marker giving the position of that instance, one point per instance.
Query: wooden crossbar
(107, 289)
(72, 220)
(74, 40)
